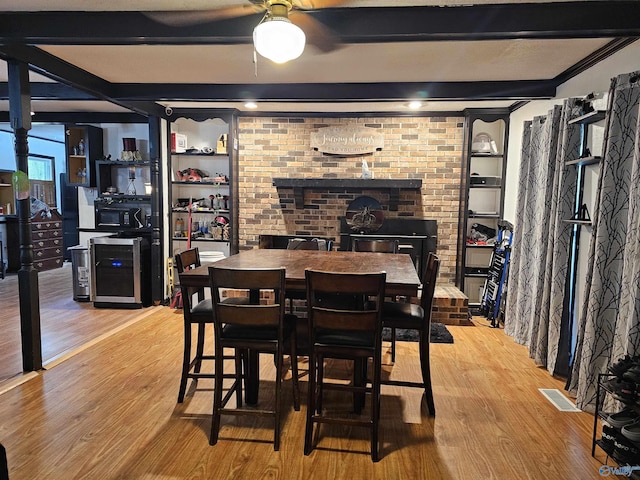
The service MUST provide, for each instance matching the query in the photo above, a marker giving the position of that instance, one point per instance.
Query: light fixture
(414, 105)
(275, 37)
(251, 105)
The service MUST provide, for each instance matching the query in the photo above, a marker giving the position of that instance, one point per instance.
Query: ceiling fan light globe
(279, 40)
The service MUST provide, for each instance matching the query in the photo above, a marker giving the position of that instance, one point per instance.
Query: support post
(157, 256)
(28, 291)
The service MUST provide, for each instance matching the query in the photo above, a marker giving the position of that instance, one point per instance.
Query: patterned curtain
(610, 320)
(536, 309)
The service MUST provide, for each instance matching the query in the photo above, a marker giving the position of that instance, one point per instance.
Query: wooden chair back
(187, 260)
(258, 284)
(298, 244)
(326, 310)
(429, 284)
(379, 246)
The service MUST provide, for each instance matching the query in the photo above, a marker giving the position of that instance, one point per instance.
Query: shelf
(473, 245)
(584, 161)
(120, 163)
(476, 275)
(200, 154)
(207, 212)
(115, 198)
(591, 117)
(484, 215)
(487, 155)
(392, 185)
(181, 239)
(200, 184)
(577, 222)
(480, 185)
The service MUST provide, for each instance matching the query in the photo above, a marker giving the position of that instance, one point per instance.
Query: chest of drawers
(46, 234)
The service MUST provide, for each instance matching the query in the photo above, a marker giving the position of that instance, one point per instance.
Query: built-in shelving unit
(84, 146)
(481, 198)
(208, 194)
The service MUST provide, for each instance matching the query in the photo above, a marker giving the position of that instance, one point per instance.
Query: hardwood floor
(65, 324)
(110, 412)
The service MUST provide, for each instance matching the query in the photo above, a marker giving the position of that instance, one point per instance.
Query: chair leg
(186, 361)
(375, 411)
(319, 384)
(278, 400)
(199, 347)
(393, 345)
(294, 371)
(311, 405)
(217, 396)
(426, 370)
(359, 380)
(239, 360)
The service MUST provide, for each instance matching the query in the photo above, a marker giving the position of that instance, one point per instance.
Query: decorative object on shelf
(178, 143)
(221, 178)
(129, 152)
(364, 215)
(131, 187)
(221, 146)
(191, 175)
(483, 143)
(366, 172)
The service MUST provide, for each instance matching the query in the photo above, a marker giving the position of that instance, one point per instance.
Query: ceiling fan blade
(317, 34)
(185, 18)
(317, 4)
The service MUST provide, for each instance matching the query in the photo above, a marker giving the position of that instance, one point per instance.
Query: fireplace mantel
(392, 185)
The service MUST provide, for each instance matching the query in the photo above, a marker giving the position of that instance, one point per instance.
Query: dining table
(401, 278)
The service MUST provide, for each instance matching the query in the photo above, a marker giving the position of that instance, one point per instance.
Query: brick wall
(429, 148)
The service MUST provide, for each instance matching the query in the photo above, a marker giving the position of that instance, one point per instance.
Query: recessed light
(251, 105)
(414, 105)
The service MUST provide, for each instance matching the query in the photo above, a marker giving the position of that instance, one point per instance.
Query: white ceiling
(429, 61)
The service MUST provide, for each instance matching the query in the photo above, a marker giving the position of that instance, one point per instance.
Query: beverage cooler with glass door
(120, 272)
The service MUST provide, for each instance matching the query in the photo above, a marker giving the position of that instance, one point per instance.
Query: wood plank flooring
(65, 324)
(110, 412)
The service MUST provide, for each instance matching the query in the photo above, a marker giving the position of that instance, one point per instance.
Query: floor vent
(561, 402)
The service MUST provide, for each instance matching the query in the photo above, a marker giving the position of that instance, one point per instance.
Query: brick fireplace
(428, 149)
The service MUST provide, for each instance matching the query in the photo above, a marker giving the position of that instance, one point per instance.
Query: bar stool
(197, 310)
(417, 317)
(251, 326)
(339, 331)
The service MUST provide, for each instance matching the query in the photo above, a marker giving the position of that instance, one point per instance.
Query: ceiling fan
(277, 13)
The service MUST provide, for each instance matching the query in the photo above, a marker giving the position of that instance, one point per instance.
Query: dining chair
(301, 244)
(379, 246)
(197, 310)
(417, 317)
(342, 332)
(260, 326)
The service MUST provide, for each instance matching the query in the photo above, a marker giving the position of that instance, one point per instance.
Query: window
(41, 177)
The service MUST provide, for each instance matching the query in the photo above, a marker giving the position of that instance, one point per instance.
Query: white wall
(596, 79)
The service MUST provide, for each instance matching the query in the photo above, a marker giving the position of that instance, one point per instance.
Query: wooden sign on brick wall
(347, 140)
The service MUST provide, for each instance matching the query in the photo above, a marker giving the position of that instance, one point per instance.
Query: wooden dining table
(401, 278)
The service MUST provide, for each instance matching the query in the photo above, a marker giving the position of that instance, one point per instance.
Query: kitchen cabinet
(202, 179)
(482, 198)
(84, 145)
